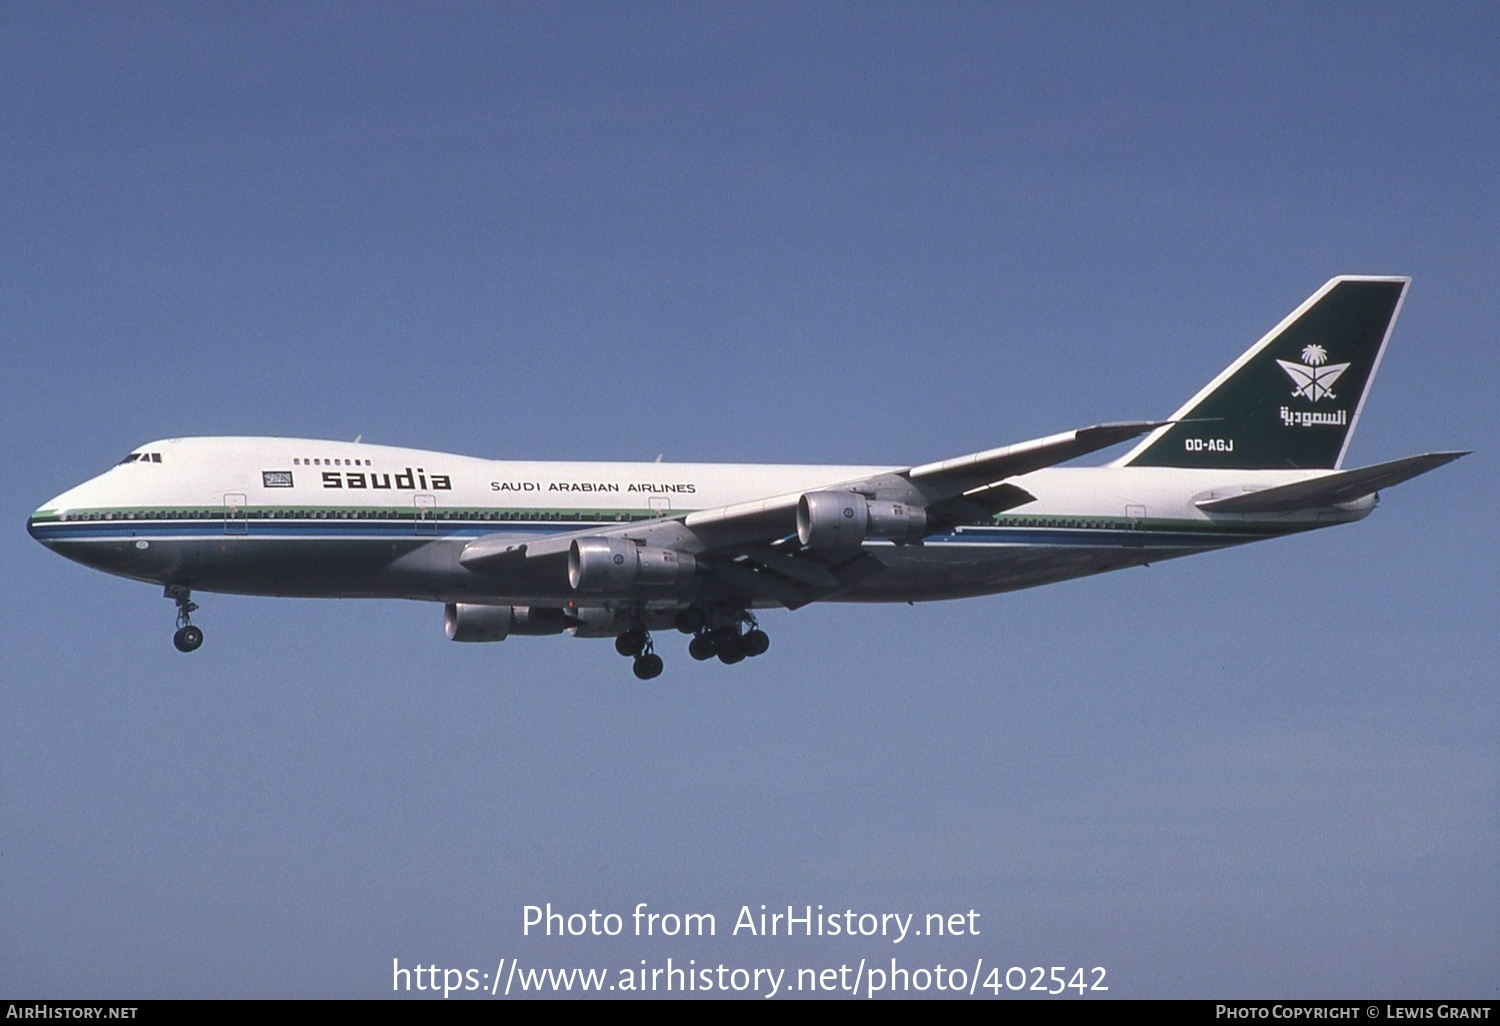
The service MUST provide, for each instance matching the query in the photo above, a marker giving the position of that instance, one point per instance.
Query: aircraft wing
(952, 491)
(753, 546)
(981, 468)
(1330, 489)
(972, 487)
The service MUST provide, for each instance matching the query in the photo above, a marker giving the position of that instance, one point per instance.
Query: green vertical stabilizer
(1291, 401)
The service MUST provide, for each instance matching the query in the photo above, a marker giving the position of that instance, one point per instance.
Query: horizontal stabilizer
(1330, 489)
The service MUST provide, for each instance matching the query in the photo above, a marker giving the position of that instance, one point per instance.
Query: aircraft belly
(935, 572)
(326, 568)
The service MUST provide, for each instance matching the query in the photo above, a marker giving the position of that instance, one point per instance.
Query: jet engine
(842, 520)
(606, 566)
(465, 621)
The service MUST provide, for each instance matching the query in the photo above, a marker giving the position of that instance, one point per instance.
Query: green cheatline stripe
(1103, 523)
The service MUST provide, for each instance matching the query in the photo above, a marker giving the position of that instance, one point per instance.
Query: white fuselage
(282, 516)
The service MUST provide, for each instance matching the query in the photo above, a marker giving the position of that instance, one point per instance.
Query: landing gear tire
(755, 643)
(632, 642)
(731, 648)
(187, 638)
(648, 666)
(702, 647)
(690, 620)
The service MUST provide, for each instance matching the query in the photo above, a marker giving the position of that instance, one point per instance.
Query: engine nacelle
(609, 566)
(899, 522)
(466, 621)
(843, 520)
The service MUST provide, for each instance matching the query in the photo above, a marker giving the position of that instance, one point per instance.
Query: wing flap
(978, 503)
(791, 581)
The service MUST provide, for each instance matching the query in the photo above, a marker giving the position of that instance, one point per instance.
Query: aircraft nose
(105, 546)
(43, 515)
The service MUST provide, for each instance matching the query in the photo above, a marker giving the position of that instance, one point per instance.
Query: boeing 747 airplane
(622, 550)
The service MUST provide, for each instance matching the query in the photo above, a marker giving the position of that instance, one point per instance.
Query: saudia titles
(1314, 379)
(410, 481)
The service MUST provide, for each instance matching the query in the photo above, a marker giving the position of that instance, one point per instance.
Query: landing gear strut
(188, 637)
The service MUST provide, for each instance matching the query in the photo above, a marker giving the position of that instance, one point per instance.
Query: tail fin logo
(1314, 378)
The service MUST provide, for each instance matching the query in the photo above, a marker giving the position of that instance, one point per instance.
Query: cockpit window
(129, 459)
(142, 457)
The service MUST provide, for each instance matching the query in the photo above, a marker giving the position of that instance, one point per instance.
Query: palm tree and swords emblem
(1314, 377)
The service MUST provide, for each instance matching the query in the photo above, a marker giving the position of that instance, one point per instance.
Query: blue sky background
(771, 232)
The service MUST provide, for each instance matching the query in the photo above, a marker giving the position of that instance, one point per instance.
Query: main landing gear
(636, 643)
(188, 637)
(729, 644)
(716, 632)
(721, 632)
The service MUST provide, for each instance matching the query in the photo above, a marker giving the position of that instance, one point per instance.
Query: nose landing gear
(188, 637)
